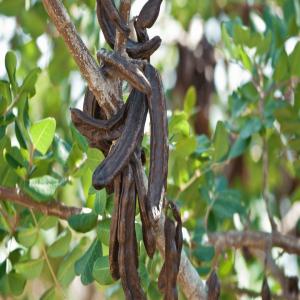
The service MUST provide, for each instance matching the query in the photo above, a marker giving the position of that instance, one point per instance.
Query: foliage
(46, 157)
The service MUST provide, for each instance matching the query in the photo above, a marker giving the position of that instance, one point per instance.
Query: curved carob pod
(113, 237)
(120, 153)
(213, 286)
(91, 128)
(173, 247)
(168, 275)
(148, 235)
(112, 11)
(146, 18)
(127, 256)
(158, 143)
(134, 49)
(125, 70)
(92, 108)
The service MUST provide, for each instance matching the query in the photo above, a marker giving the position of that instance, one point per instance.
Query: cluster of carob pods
(120, 140)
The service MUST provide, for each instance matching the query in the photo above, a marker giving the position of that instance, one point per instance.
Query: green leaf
(101, 271)
(62, 150)
(103, 231)
(19, 135)
(28, 236)
(178, 125)
(80, 140)
(30, 269)
(16, 283)
(5, 96)
(220, 142)
(66, 270)
(281, 71)
(14, 158)
(100, 202)
(204, 253)
(28, 85)
(11, 64)
(42, 133)
(94, 158)
(190, 100)
(45, 186)
(245, 59)
(251, 126)
(241, 34)
(61, 246)
(238, 147)
(83, 222)
(295, 60)
(47, 222)
(84, 266)
(227, 204)
(51, 294)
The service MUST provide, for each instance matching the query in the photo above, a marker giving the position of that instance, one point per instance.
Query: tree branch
(104, 92)
(257, 240)
(53, 208)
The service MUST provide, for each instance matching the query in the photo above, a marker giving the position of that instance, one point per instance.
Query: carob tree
(120, 140)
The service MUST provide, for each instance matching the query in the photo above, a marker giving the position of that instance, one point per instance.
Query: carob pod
(173, 247)
(127, 256)
(146, 18)
(148, 235)
(134, 49)
(91, 129)
(213, 286)
(113, 13)
(113, 237)
(115, 121)
(92, 108)
(120, 152)
(125, 70)
(168, 275)
(265, 290)
(178, 234)
(158, 143)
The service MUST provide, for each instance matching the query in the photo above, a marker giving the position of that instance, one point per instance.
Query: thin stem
(47, 258)
(53, 208)
(265, 154)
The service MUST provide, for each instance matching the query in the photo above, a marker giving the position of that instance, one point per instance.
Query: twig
(52, 208)
(254, 239)
(47, 258)
(99, 85)
(265, 155)
(233, 289)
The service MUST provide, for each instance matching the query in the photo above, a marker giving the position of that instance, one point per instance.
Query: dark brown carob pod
(127, 256)
(213, 286)
(120, 153)
(168, 275)
(265, 290)
(134, 49)
(148, 235)
(114, 16)
(158, 142)
(173, 247)
(125, 70)
(148, 14)
(113, 237)
(91, 128)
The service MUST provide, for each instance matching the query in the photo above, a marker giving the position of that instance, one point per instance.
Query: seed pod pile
(119, 138)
